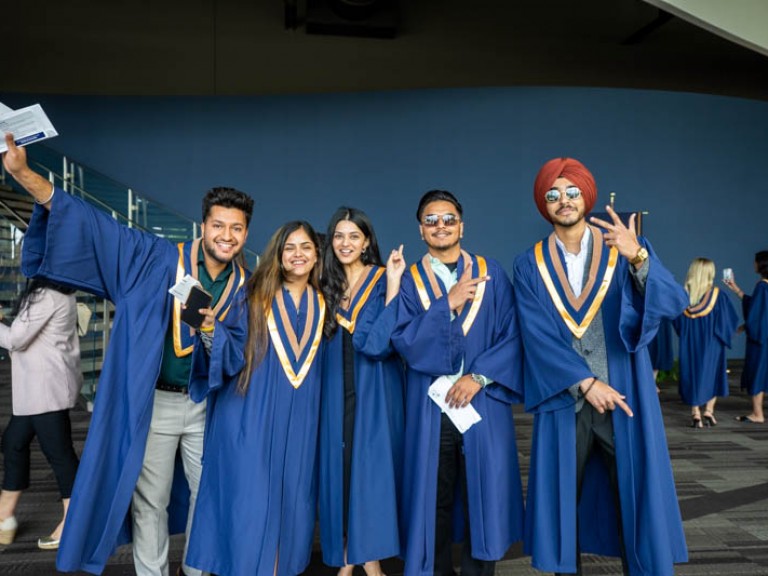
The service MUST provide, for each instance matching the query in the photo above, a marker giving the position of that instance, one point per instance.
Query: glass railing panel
(11, 279)
(94, 327)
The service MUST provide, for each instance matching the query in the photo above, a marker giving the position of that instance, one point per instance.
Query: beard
(209, 247)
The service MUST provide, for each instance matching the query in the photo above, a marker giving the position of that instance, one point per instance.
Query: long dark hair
(334, 281)
(761, 260)
(261, 289)
(31, 293)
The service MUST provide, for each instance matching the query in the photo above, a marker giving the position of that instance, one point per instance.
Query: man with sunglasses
(590, 298)
(456, 319)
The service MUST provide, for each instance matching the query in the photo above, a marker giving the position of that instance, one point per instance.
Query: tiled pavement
(721, 475)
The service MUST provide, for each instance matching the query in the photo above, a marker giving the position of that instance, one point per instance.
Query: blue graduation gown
(376, 469)
(754, 378)
(77, 245)
(432, 345)
(653, 530)
(258, 490)
(660, 348)
(705, 331)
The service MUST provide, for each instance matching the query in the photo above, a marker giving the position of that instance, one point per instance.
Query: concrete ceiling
(233, 47)
(743, 22)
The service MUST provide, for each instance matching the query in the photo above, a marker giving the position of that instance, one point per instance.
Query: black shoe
(696, 422)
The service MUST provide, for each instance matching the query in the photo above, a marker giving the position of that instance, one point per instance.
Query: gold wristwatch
(640, 257)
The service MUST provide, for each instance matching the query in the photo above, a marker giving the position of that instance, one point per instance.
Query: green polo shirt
(174, 371)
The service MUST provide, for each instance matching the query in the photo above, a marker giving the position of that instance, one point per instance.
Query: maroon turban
(569, 168)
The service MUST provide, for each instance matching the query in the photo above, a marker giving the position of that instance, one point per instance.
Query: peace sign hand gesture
(465, 288)
(618, 235)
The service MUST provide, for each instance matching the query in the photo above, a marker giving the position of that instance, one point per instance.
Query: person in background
(754, 378)
(46, 381)
(260, 369)
(705, 329)
(660, 351)
(361, 421)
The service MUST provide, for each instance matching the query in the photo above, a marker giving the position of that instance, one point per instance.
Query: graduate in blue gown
(660, 348)
(261, 371)
(361, 423)
(73, 243)
(589, 302)
(705, 329)
(754, 378)
(456, 318)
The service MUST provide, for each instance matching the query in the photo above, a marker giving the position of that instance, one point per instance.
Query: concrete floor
(721, 475)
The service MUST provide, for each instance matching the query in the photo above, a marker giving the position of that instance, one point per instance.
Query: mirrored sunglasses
(431, 220)
(554, 195)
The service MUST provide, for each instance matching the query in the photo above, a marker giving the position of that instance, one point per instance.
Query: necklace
(351, 284)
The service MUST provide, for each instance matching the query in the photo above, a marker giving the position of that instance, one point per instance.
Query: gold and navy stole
(358, 297)
(184, 335)
(705, 306)
(430, 288)
(577, 313)
(296, 357)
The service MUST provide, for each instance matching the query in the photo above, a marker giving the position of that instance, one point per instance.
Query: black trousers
(452, 476)
(54, 433)
(594, 431)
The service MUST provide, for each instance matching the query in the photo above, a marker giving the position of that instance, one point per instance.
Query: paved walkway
(721, 475)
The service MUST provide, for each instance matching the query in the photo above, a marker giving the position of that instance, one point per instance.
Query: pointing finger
(613, 215)
(624, 406)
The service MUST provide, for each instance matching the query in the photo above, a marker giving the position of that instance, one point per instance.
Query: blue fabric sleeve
(78, 245)
(428, 341)
(211, 371)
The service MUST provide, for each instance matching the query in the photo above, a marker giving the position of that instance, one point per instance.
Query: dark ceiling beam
(636, 37)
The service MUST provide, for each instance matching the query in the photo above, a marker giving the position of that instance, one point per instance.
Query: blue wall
(696, 163)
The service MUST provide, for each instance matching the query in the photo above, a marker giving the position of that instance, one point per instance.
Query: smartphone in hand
(198, 298)
(727, 274)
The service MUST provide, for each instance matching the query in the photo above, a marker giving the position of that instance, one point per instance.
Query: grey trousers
(177, 422)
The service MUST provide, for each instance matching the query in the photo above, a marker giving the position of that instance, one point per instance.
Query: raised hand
(395, 263)
(395, 269)
(15, 159)
(465, 288)
(731, 283)
(15, 162)
(618, 235)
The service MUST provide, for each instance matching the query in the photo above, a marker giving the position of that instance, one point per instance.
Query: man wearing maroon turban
(590, 298)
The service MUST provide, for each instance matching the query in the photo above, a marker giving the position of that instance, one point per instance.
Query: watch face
(641, 256)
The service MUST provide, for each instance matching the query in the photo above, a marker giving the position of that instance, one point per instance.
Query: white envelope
(462, 418)
(27, 125)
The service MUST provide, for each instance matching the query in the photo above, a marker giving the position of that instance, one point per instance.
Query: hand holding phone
(727, 274)
(197, 299)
